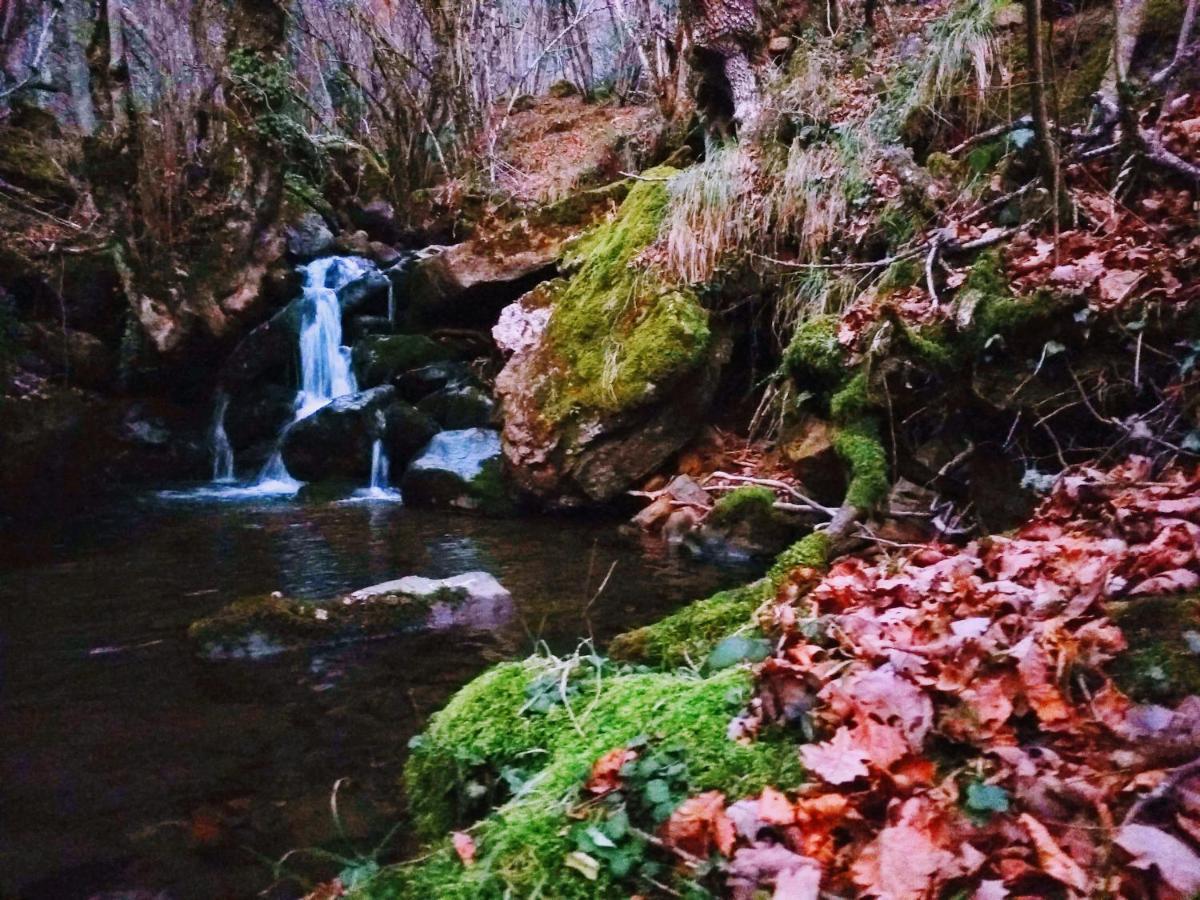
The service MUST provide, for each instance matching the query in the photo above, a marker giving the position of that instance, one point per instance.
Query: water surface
(126, 763)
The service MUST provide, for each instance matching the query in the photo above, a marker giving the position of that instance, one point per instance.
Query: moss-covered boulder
(382, 358)
(511, 753)
(262, 626)
(622, 371)
(745, 524)
(460, 469)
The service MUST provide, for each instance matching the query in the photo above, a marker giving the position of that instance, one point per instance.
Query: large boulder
(382, 358)
(461, 469)
(617, 377)
(336, 440)
(258, 413)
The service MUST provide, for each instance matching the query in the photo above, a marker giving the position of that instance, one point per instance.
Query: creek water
(128, 763)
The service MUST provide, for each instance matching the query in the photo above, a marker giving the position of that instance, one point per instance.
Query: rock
(78, 357)
(380, 359)
(257, 413)
(319, 493)
(520, 327)
(780, 43)
(407, 432)
(309, 238)
(263, 626)
(603, 398)
(415, 384)
(462, 469)
(807, 443)
(377, 219)
(368, 292)
(383, 255)
(742, 525)
(356, 243)
(456, 407)
(358, 327)
(468, 284)
(336, 440)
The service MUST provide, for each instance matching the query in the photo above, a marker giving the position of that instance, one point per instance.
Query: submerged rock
(462, 469)
(263, 626)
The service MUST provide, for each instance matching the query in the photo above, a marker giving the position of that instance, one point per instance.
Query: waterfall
(379, 466)
(222, 452)
(324, 363)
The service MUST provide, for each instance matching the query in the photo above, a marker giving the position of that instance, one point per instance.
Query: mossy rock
(744, 524)
(493, 733)
(619, 332)
(461, 469)
(1162, 661)
(381, 358)
(688, 636)
(259, 626)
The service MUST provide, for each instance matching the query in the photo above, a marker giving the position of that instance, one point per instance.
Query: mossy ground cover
(619, 330)
(509, 724)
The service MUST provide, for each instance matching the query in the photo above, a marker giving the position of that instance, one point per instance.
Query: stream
(134, 769)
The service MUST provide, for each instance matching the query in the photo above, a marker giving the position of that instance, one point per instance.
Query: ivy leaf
(658, 791)
(986, 798)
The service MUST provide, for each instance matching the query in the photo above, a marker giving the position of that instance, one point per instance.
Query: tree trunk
(1128, 16)
(1047, 148)
(728, 31)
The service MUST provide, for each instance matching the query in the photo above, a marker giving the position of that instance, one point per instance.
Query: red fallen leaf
(606, 773)
(838, 760)
(464, 846)
(1177, 864)
(1051, 858)
(903, 862)
(774, 808)
(699, 825)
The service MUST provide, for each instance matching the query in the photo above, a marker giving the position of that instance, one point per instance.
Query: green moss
(618, 330)
(852, 401)
(750, 499)
(692, 632)
(859, 446)
(522, 844)
(492, 491)
(578, 206)
(379, 358)
(899, 276)
(1162, 662)
(284, 622)
(814, 349)
(811, 552)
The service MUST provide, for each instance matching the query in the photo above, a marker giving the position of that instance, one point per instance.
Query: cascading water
(324, 363)
(222, 452)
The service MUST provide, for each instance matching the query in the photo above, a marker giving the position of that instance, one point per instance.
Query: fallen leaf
(837, 760)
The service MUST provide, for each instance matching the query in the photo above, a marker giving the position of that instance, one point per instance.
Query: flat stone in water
(476, 586)
(461, 453)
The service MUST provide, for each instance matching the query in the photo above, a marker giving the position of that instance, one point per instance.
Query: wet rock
(461, 469)
(407, 431)
(381, 359)
(264, 626)
(354, 243)
(257, 413)
(456, 407)
(419, 383)
(742, 525)
(367, 293)
(336, 440)
(359, 327)
(309, 237)
(78, 357)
